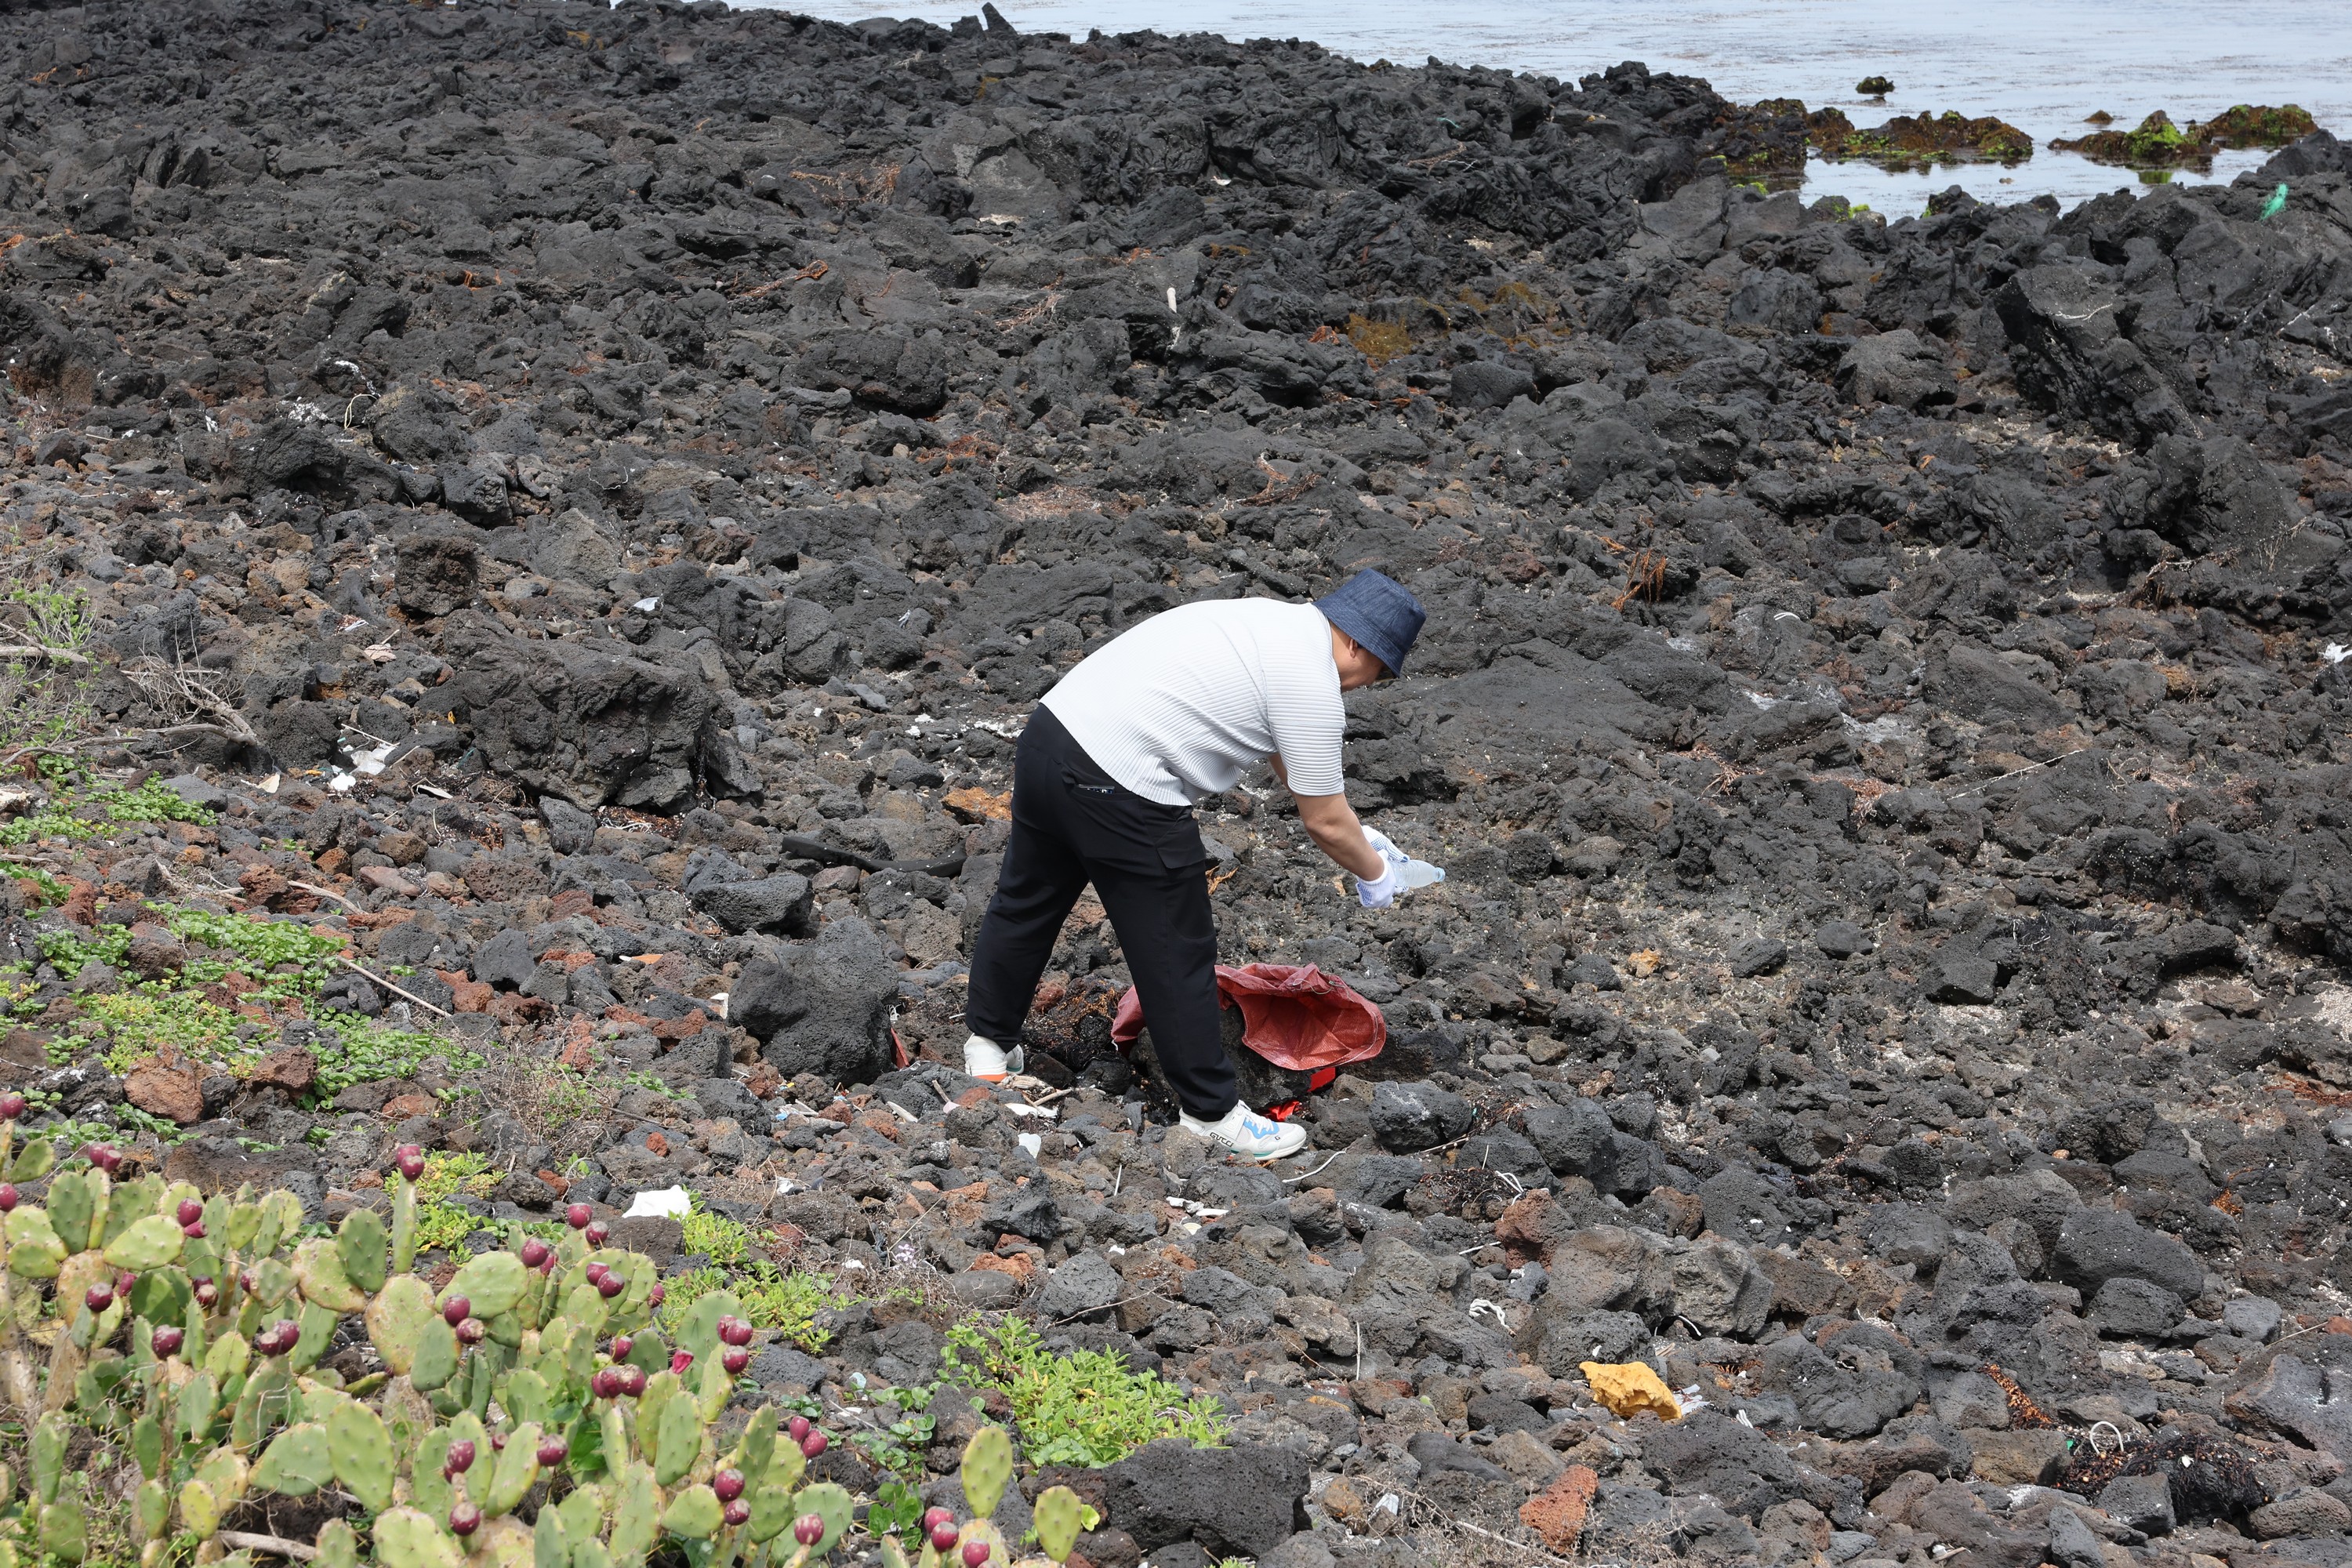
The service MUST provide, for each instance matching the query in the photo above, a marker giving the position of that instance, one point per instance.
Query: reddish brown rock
(1557, 1514)
(514, 1008)
(165, 1090)
(388, 879)
(155, 953)
(471, 995)
(292, 1069)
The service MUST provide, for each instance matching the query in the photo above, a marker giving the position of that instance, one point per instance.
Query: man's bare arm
(1331, 822)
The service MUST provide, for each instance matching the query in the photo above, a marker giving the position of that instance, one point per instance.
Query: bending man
(1169, 713)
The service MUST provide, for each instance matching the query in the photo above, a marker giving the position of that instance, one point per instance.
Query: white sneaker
(986, 1061)
(1250, 1135)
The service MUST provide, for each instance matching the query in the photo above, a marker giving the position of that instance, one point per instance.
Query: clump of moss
(2159, 143)
(1379, 340)
(1914, 139)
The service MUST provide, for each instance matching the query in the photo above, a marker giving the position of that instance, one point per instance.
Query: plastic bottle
(1418, 874)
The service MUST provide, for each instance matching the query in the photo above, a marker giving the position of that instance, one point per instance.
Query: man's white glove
(1380, 892)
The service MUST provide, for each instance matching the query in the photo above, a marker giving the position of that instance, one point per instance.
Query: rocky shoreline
(537, 527)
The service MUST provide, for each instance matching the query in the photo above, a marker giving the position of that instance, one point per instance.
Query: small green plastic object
(2276, 204)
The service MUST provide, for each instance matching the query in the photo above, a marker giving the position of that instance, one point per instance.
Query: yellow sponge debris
(1631, 1388)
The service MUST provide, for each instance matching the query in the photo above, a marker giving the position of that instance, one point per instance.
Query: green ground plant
(722, 1240)
(1080, 1407)
(788, 1302)
(290, 959)
(45, 702)
(441, 1225)
(76, 813)
(365, 1051)
(640, 1078)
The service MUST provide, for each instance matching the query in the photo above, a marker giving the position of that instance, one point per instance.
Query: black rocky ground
(1878, 712)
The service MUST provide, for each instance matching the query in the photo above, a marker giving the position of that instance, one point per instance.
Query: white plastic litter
(658, 1204)
(2336, 653)
(648, 606)
(1031, 1143)
(1410, 873)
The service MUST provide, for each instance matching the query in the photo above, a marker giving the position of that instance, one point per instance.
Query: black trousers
(1072, 824)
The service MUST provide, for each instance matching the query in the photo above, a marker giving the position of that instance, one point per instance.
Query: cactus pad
(987, 1469)
(72, 1204)
(361, 1245)
(338, 1545)
(319, 1275)
(1062, 1516)
(636, 1514)
(62, 1533)
(437, 1355)
(33, 1160)
(517, 1468)
(396, 1320)
(48, 1456)
(146, 1244)
(35, 1250)
(362, 1453)
(678, 1440)
(404, 1538)
(492, 1283)
(699, 1332)
(695, 1515)
(297, 1462)
(200, 1510)
(151, 1510)
(831, 1504)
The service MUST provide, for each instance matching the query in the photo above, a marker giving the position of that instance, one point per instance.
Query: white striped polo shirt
(1179, 708)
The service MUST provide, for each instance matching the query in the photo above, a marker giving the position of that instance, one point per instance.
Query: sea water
(2042, 65)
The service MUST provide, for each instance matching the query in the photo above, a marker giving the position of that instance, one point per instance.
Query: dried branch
(178, 688)
(274, 1546)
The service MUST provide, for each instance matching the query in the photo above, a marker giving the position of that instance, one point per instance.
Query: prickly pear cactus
(189, 1330)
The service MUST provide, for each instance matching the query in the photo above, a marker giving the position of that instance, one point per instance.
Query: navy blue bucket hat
(1380, 613)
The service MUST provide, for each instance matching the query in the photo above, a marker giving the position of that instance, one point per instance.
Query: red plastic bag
(1293, 1015)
